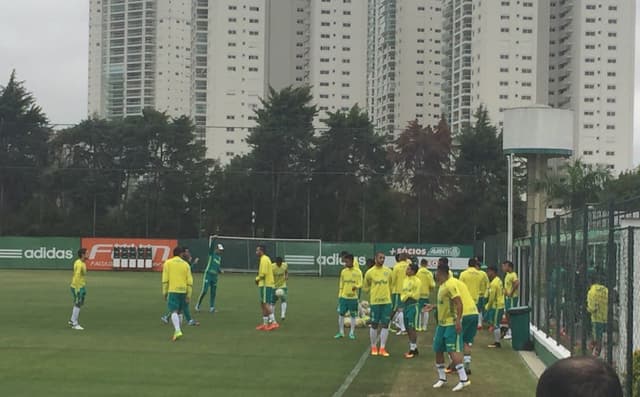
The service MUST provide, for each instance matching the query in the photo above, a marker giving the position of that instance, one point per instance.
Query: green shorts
(422, 302)
(494, 317)
(381, 315)
(348, 306)
(176, 302)
(598, 330)
(282, 298)
(395, 302)
(411, 314)
(510, 302)
(78, 296)
(267, 295)
(481, 302)
(447, 340)
(469, 328)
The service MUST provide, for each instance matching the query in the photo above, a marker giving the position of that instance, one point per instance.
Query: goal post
(240, 253)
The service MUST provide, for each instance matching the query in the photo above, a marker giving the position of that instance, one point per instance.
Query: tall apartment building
(495, 56)
(404, 68)
(592, 49)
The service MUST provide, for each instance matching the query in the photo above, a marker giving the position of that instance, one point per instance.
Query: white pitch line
(352, 375)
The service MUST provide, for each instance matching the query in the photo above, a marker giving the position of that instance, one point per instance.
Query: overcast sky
(46, 42)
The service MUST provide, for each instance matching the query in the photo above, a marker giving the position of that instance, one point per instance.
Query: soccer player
(356, 263)
(265, 283)
(469, 321)
(281, 276)
(409, 298)
(448, 337)
(78, 290)
(210, 281)
(378, 282)
(427, 284)
(350, 284)
(511, 284)
(477, 282)
(177, 287)
(597, 306)
(186, 310)
(495, 304)
(398, 276)
(484, 291)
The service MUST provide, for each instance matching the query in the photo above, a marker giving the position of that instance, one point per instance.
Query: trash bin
(520, 319)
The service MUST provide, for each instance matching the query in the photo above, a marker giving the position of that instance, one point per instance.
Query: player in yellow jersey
(477, 282)
(377, 281)
(511, 288)
(398, 276)
(356, 263)
(177, 287)
(280, 277)
(349, 286)
(597, 306)
(265, 282)
(484, 291)
(427, 284)
(495, 304)
(409, 298)
(469, 321)
(448, 337)
(78, 290)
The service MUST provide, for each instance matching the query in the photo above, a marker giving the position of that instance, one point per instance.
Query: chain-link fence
(577, 273)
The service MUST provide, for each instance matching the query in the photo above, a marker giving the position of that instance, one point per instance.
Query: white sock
(496, 335)
(175, 319)
(413, 346)
(467, 359)
(425, 320)
(353, 325)
(479, 319)
(384, 335)
(462, 374)
(272, 318)
(509, 332)
(75, 313)
(283, 309)
(373, 335)
(265, 320)
(441, 374)
(401, 322)
(341, 324)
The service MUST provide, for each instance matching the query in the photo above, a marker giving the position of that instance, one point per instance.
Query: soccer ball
(347, 321)
(279, 292)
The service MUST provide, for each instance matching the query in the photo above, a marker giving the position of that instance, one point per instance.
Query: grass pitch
(125, 350)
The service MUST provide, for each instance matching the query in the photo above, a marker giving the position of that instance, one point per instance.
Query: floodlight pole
(510, 207)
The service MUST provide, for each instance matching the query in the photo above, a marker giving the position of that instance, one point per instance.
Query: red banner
(127, 253)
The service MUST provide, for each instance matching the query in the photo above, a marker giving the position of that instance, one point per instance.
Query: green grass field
(126, 351)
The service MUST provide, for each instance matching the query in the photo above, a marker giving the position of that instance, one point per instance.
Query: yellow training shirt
(484, 286)
(280, 275)
(496, 295)
(349, 278)
(79, 271)
(378, 282)
(176, 276)
(469, 305)
(265, 273)
(598, 303)
(411, 288)
(447, 292)
(427, 283)
(474, 279)
(399, 274)
(509, 280)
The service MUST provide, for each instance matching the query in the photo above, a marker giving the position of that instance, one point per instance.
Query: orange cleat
(374, 351)
(261, 327)
(383, 352)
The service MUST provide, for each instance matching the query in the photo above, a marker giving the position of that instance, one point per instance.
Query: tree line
(148, 175)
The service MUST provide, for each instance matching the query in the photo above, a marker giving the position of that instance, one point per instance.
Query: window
(504, 83)
(230, 129)
(345, 97)
(611, 153)
(230, 154)
(611, 114)
(231, 68)
(613, 34)
(527, 31)
(613, 21)
(588, 152)
(504, 96)
(230, 141)
(231, 117)
(591, 20)
(587, 126)
(611, 74)
(346, 61)
(504, 30)
(588, 100)
(325, 12)
(611, 60)
(591, 7)
(324, 84)
(589, 86)
(589, 73)
(611, 127)
(526, 97)
(527, 4)
(504, 56)
(590, 33)
(526, 84)
(504, 70)
(612, 47)
(590, 47)
(253, 69)
(525, 70)
(611, 100)
(324, 96)
(589, 60)
(232, 32)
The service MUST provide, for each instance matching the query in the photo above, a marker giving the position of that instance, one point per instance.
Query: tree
(24, 134)
(422, 158)
(350, 167)
(577, 185)
(281, 144)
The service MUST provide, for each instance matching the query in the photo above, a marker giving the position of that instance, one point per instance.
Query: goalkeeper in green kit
(211, 278)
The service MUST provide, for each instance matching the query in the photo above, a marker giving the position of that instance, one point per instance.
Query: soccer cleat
(70, 323)
(374, 351)
(461, 385)
(496, 345)
(165, 319)
(401, 332)
(352, 336)
(339, 335)
(272, 326)
(197, 308)
(440, 383)
(261, 327)
(411, 354)
(193, 323)
(383, 352)
(177, 335)
(212, 310)
(508, 335)
(282, 319)
(77, 327)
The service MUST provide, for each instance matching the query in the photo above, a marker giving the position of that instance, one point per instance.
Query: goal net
(240, 253)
